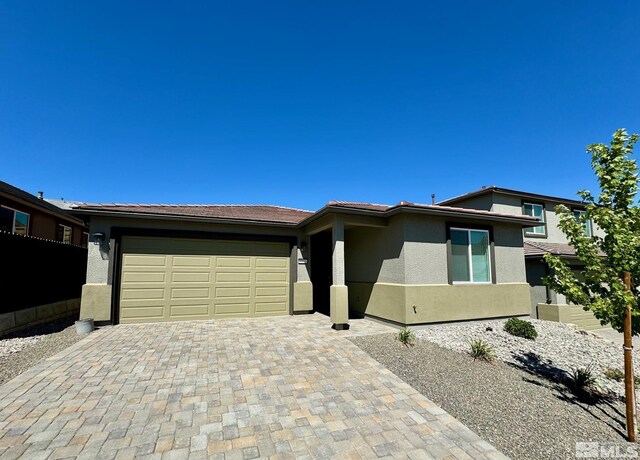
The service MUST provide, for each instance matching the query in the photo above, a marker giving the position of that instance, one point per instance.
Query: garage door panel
(272, 277)
(196, 262)
(232, 309)
(143, 277)
(156, 312)
(237, 292)
(191, 277)
(190, 293)
(176, 279)
(271, 262)
(238, 262)
(132, 260)
(273, 291)
(233, 277)
(190, 310)
(142, 293)
(271, 307)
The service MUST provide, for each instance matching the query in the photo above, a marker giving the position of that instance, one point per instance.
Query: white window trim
(13, 225)
(587, 222)
(469, 254)
(542, 220)
(70, 233)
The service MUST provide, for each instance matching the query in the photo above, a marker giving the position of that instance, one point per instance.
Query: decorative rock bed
(558, 349)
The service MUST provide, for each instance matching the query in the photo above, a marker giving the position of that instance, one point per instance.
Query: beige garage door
(167, 279)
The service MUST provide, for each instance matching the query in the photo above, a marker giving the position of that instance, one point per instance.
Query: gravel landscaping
(21, 350)
(524, 415)
(558, 349)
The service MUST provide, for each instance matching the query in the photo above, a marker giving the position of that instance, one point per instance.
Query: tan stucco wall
(96, 302)
(569, 314)
(375, 254)
(439, 303)
(302, 296)
(413, 250)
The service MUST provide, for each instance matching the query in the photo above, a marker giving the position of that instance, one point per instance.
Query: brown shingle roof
(256, 213)
(532, 249)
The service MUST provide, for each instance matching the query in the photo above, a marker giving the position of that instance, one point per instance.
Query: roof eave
(141, 215)
(525, 222)
(511, 192)
(62, 214)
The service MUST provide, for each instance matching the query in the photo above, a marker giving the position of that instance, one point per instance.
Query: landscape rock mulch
(558, 350)
(524, 414)
(22, 350)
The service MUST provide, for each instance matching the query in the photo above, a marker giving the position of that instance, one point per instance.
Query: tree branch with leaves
(598, 284)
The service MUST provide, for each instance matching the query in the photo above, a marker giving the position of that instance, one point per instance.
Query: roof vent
(433, 198)
(484, 187)
(41, 195)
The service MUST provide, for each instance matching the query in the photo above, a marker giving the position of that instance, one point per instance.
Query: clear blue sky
(297, 103)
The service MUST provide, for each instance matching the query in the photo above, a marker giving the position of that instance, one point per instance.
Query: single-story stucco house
(407, 263)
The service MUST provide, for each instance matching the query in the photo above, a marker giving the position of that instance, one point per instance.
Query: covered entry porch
(328, 238)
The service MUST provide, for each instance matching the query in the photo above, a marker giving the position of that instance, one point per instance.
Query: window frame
(84, 241)
(70, 233)
(543, 221)
(490, 254)
(13, 225)
(588, 222)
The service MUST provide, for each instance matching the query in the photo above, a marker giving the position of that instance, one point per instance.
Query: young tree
(599, 286)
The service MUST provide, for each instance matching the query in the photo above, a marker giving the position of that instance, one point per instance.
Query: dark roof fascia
(541, 256)
(511, 192)
(58, 212)
(525, 221)
(331, 209)
(215, 220)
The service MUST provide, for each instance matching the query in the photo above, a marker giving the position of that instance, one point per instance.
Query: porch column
(339, 295)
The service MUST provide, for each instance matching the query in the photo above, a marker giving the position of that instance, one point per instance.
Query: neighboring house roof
(435, 209)
(289, 216)
(506, 191)
(539, 249)
(31, 200)
(252, 213)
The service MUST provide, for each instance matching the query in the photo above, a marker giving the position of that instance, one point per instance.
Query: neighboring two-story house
(26, 214)
(538, 241)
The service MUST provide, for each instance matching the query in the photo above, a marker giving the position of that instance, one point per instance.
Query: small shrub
(406, 337)
(582, 378)
(614, 374)
(521, 328)
(480, 350)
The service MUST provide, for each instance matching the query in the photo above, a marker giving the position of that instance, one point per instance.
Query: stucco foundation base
(18, 320)
(420, 304)
(339, 298)
(302, 296)
(569, 314)
(96, 302)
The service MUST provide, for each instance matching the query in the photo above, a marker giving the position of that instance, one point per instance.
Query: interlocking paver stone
(285, 387)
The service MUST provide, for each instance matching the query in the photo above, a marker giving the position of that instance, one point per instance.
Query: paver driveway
(287, 387)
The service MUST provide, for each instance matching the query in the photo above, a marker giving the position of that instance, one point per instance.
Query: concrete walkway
(287, 387)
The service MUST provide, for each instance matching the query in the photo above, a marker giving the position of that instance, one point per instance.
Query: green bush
(521, 328)
(480, 350)
(406, 337)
